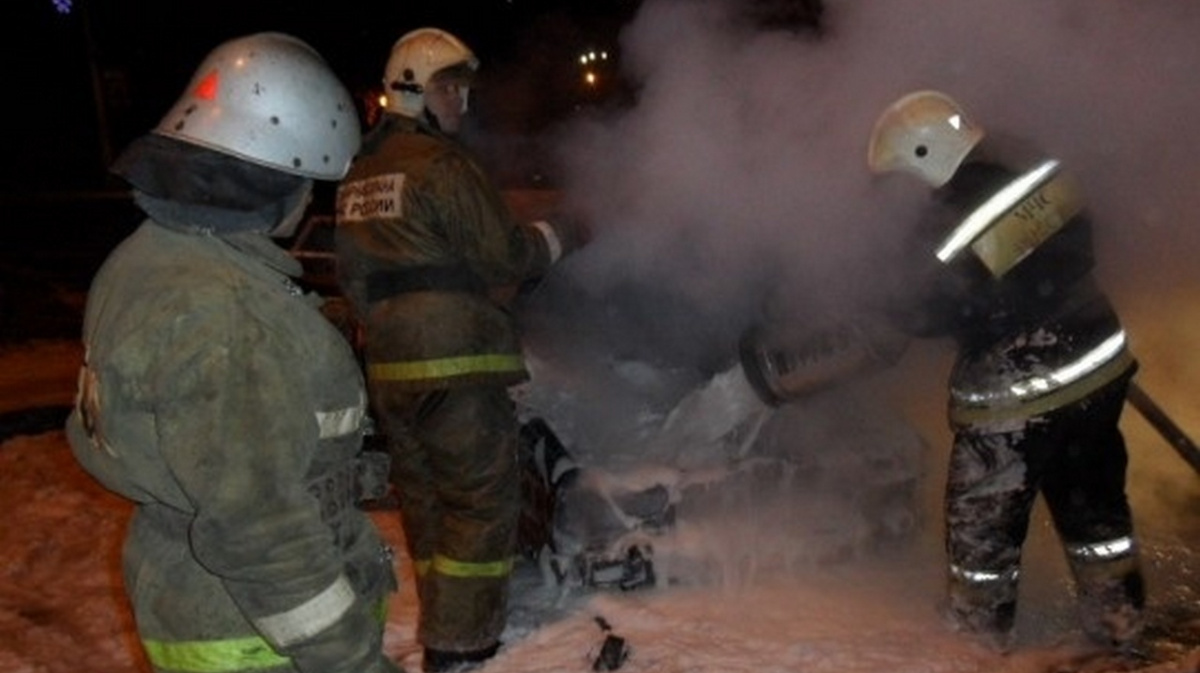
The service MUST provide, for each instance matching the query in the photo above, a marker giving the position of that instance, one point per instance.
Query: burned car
(644, 471)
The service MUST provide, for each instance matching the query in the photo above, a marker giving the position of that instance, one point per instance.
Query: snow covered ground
(61, 606)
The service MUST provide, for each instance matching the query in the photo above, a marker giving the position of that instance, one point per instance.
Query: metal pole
(1166, 427)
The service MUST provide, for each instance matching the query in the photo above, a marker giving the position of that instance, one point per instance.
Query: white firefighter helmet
(924, 133)
(271, 99)
(416, 57)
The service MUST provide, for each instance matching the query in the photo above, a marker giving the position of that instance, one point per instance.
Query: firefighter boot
(984, 606)
(1111, 595)
(444, 661)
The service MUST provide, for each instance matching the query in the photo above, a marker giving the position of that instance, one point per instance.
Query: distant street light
(595, 72)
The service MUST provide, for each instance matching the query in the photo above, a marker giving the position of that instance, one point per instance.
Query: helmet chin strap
(408, 87)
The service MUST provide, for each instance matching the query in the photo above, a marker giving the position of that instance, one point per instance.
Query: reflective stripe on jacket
(1051, 386)
(219, 399)
(248, 653)
(417, 214)
(1010, 279)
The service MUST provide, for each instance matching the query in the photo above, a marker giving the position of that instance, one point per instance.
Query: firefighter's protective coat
(426, 245)
(217, 397)
(1005, 267)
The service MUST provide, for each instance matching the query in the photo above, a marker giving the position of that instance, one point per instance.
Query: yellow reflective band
(213, 656)
(1036, 386)
(381, 612)
(1032, 222)
(1067, 374)
(1032, 387)
(989, 211)
(421, 567)
(221, 656)
(444, 367)
(453, 568)
(1009, 408)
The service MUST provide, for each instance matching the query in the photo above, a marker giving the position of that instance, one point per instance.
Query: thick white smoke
(743, 161)
(739, 175)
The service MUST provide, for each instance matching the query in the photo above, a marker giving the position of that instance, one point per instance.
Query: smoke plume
(739, 173)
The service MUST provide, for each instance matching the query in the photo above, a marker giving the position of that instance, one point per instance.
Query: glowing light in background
(588, 61)
(592, 57)
(62, 6)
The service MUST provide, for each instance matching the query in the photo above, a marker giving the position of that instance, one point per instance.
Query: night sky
(135, 56)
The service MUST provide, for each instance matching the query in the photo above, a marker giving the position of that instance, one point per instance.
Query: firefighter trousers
(1076, 458)
(455, 471)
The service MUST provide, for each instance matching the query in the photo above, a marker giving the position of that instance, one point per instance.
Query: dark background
(86, 76)
(82, 78)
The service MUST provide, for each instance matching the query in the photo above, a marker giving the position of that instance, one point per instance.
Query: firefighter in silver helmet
(216, 397)
(1004, 265)
(428, 253)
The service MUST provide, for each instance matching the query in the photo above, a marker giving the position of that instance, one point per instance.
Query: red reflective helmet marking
(207, 88)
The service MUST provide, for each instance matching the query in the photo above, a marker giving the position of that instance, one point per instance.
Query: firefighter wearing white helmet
(416, 57)
(215, 395)
(924, 133)
(1004, 266)
(428, 253)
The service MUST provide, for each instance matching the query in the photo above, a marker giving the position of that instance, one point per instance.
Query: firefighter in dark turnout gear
(216, 396)
(1004, 266)
(427, 253)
